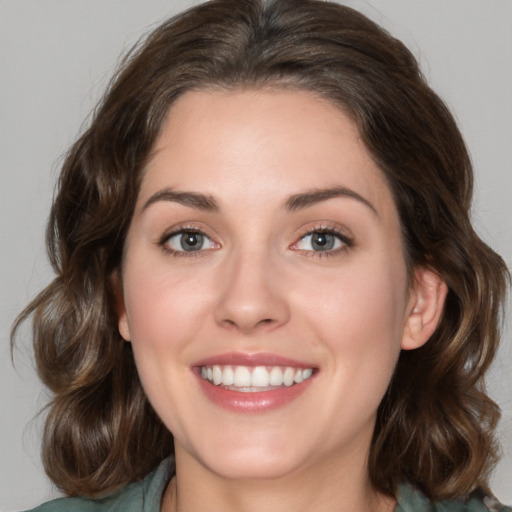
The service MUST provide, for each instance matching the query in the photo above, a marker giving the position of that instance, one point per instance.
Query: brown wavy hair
(435, 426)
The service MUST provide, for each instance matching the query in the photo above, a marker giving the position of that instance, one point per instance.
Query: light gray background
(55, 59)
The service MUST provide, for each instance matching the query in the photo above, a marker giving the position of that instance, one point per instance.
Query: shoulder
(143, 496)
(412, 500)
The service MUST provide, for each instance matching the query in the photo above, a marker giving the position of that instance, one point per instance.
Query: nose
(253, 295)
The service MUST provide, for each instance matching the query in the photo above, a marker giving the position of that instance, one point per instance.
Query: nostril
(247, 326)
(265, 322)
(250, 305)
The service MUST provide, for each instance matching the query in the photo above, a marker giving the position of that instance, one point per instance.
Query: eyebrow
(292, 203)
(312, 197)
(192, 199)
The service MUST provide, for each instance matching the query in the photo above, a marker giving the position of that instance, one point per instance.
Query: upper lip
(253, 359)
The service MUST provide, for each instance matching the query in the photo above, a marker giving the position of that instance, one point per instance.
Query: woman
(267, 278)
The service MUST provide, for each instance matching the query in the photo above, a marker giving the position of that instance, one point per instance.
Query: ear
(120, 308)
(425, 308)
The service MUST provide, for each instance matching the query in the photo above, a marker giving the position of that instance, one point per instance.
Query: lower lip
(256, 402)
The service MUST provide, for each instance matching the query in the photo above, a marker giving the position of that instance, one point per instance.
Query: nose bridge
(251, 293)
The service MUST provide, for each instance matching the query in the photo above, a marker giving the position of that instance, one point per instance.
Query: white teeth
(276, 376)
(260, 377)
(217, 375)
(228, 376)
(307, 373)
(254, 378)
(242, 377)
(288, 376)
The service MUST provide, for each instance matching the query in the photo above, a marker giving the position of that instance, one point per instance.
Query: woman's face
(265, 291)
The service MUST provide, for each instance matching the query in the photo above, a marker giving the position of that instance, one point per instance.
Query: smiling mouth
(254, 379)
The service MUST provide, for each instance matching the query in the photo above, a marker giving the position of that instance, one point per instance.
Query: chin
(248, 455)
(250, 466)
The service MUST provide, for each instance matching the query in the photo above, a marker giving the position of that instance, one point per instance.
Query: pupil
(191, 241)
(322, 241)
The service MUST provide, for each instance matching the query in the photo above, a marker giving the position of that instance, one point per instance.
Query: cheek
(164, 309)
(358, 314)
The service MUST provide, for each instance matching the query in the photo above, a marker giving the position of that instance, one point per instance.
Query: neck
(326, 490)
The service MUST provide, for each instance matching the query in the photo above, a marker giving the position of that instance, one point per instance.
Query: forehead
(264, 143)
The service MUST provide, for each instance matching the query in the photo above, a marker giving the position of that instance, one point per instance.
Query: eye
(323, 241)
(184, 241)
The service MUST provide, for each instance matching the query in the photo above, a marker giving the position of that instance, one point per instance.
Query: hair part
(435, 426)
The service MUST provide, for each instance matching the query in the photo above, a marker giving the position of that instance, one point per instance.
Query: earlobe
(122, 326)
(122, 320)
(425, 308)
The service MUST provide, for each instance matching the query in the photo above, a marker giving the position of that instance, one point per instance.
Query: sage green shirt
(146, 496)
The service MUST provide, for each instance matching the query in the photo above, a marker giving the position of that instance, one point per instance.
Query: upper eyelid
(173, 232)
(184, 228)
(335, 229)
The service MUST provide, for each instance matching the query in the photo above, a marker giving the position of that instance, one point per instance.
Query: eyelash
(346, 241)
(163, 242)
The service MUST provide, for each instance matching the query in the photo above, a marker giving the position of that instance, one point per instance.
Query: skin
(259, 285)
